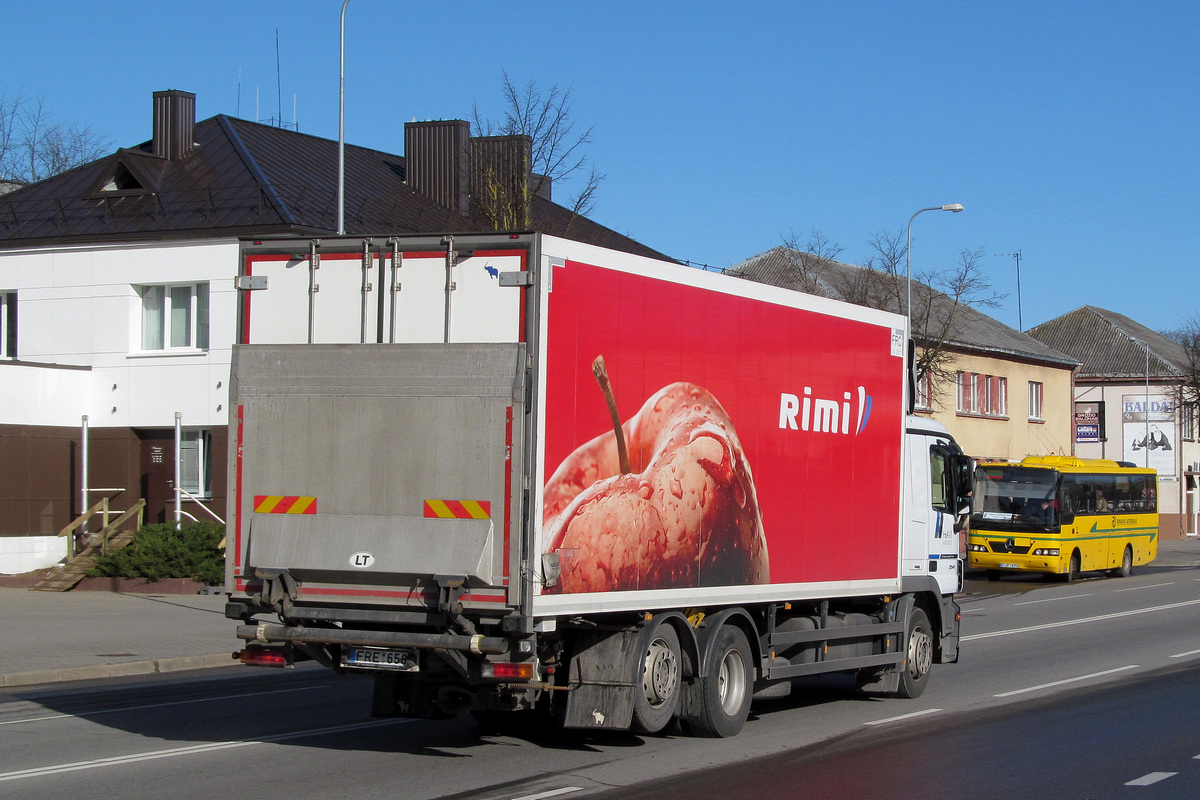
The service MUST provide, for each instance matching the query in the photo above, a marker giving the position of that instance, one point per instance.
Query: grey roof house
(1127, 403)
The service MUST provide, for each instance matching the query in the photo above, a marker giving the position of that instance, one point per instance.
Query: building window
(195, 463)
(982, 395)
(1035, 401)
(175, 317)
(1187, 420)
(8, 324)
(924, 393)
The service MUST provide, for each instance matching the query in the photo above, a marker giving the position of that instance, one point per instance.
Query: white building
(118, 304)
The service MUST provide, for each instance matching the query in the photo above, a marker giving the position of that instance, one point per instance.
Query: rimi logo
(821, 415)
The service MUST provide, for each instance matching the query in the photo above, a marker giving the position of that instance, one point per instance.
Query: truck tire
(659, 681)
(722, 700)
(918, 659)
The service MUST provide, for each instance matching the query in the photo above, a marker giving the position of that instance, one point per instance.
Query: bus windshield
(1015, 498)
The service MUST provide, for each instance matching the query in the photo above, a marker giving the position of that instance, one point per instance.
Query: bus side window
(1067, 492)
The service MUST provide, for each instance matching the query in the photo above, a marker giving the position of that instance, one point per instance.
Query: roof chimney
(437, 159)
(501, 179)
(174, 123)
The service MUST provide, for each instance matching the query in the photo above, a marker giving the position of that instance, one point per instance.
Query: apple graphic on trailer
(666, 500)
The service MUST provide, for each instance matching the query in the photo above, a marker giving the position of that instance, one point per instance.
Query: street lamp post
(342, 124)
(954, 207)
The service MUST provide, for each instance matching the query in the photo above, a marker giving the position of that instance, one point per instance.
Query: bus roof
(1073, 464)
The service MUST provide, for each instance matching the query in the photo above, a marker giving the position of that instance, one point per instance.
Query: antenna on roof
(278, 82)
(1017, 256)
(238, 113)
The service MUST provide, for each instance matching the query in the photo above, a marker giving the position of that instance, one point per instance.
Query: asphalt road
(306, 733)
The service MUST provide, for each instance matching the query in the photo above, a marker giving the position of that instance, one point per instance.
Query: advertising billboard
(1148, 431)
(762, 441)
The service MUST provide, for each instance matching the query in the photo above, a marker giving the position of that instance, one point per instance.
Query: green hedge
(159, 551)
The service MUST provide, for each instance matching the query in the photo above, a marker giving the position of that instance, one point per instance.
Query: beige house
(1005, 395)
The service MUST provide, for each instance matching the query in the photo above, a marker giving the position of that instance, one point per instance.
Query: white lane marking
(551, 793)
(1053, 599)
(163, 705)
(1147, 586)
(1185, 655)
(973, 611)
(1066, 681)
(1153, 777)
(903, 717)
(1080, 621)
(191, 749)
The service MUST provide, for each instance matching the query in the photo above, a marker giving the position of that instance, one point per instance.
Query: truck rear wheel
(723, 697)
(918, 661)
(660, 677)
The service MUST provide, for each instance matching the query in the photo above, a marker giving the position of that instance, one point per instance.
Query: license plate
(380, 658)
(1011, 566)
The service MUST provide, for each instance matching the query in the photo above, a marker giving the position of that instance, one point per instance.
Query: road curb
(118, 670)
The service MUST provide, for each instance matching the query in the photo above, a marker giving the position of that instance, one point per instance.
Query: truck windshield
(1015, 498)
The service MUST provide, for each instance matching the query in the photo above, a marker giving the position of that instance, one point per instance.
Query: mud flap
(602, 693)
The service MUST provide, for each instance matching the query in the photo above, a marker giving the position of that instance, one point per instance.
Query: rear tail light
(264, 657)
(509, 671)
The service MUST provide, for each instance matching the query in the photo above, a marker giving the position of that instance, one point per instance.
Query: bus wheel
(1074, 569)
(1126, 567)
(914, 672)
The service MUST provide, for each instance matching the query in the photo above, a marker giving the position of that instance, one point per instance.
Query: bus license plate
(1011, 566)
(380, 658)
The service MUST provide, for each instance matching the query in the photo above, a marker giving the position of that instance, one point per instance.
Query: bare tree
(810, 260)
(35, 146)
(1188, 337)
(939, 297)
(557, 151)
(939, 300)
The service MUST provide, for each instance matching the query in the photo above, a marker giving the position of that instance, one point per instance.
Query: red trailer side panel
(807, 426)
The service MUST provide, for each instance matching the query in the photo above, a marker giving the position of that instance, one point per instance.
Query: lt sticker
(362, 560)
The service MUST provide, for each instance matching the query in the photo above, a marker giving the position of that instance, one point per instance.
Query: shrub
(159, 551)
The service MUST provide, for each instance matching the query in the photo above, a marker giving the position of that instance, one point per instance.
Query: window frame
(980, 395)
(8, 325)
(1037, 396)
(196, 447)
(165, 325)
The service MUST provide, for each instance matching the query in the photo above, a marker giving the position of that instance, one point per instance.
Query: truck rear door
(379, 426)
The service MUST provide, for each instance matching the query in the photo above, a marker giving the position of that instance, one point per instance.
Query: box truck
(513, 472)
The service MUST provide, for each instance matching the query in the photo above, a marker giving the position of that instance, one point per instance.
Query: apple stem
(601, 373)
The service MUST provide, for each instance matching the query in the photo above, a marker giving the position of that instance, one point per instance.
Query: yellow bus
(1063, 515)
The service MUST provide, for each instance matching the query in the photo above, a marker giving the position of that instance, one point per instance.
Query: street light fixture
(953, 207)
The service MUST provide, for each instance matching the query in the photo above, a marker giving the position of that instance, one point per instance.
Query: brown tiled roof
(971, 331)
(1103, 341)
(245, 179)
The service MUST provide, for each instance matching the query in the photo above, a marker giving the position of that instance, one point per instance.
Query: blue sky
(1069, 131)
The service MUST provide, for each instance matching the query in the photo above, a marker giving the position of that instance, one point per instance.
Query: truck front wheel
(656, 697)
(722, 699)
(914, 674)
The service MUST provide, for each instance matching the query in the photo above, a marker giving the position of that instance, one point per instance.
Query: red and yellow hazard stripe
(284, 504)
(458, 509)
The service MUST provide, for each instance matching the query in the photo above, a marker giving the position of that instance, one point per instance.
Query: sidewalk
(51, 636)
(68, 636)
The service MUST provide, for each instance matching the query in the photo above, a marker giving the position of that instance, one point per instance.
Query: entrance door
(158, 474)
